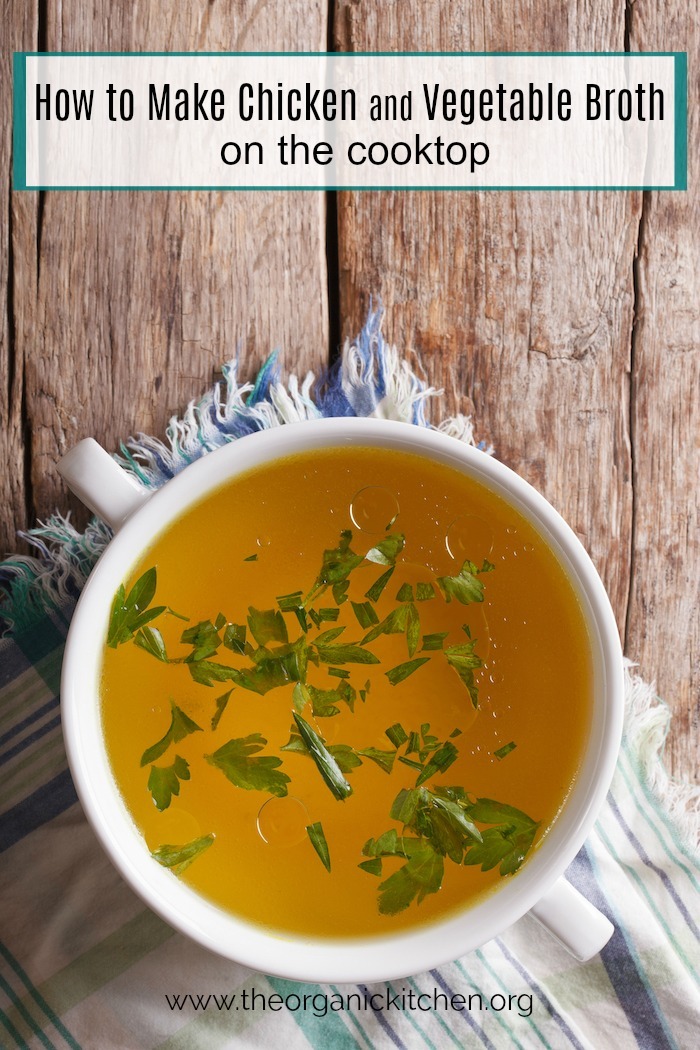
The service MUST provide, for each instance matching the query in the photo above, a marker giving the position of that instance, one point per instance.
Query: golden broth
(534, 687)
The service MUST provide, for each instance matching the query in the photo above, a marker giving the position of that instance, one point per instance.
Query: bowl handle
(573, 920)
(100, 483)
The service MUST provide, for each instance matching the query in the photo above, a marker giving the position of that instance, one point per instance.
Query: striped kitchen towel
(84, 964)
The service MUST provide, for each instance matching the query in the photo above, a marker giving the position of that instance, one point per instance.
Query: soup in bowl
(342, 699)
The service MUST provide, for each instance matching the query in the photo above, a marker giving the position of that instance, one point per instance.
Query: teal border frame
(680, 117)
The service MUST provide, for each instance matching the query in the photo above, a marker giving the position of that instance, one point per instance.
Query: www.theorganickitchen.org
(319, 1004)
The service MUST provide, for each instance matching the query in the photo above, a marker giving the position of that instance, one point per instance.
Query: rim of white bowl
(382, 957)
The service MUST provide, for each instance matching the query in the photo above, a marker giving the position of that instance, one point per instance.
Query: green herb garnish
(235, 760)
(373, 866)
(402, 671)
(384, 759)
(365, 613)
(318, 841)
(440, 761)
(465, 587)
(345, 654)
(326, 764)
(508, 843)
(397, 734)
(164, 781)
(221, 703)
(375, 591)
(235, 638)
(150, 639)
(422, 874)
(180, 727)
(387, 550)
(505, 750)
(424, 592)
(178, 858)
(130, 611)
(267, 625)
(433, 641)
(465, 661)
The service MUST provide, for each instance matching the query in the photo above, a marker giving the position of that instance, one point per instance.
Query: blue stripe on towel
(43, 805)
(379, 1014)
(687, 917)
(619, 959)
(464, 1015)
(32, 738)
(33, 717)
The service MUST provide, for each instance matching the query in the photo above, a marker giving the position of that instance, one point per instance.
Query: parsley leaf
(150, 639)
(326, 764)
(422, 874)
(130, 611)
(204, 638)
(267, 625)
(336, 566)
(318, 841)
(441, 760)
(501, 752)
(387, 550)
(373, 866)
(178, 858)
(384, 759)
(465, 587)
(402, 671)
(505, 844)
(464, 660)
(164, 781)
(424, 592)
(235, 760)
(345, 654)
(397, 734)
(433, 641)
(235, 638)
(375, 591)
(180, 727)
(221, 703)
(365, 613)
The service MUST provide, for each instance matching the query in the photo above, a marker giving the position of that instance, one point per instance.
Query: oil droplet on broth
(283, 821)
(177, 826)
(469, 537)
(374, 509)
(263, 541)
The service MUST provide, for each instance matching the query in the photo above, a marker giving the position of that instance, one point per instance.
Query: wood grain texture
(141, 296)
(18, 260)
(663, 630)
(522, 306)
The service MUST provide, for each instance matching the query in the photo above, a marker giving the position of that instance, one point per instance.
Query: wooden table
(567, 324)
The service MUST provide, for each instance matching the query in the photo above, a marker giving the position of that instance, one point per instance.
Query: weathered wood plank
(142, 295)
(17, 287)
(664, 615)
(521, 305)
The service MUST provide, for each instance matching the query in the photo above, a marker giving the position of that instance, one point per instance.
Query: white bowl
(139, 517)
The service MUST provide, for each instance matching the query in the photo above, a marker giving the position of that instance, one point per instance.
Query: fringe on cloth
(647, 722)
(369, 379)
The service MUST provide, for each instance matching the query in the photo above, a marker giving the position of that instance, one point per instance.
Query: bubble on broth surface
(177, 825)
(282, 821)
(469, 537)
(263, 541)
(374, 509)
